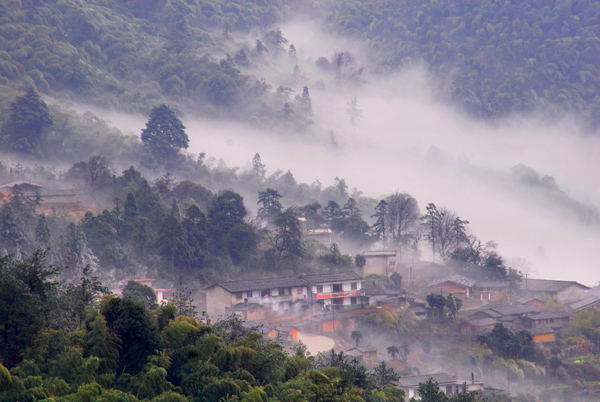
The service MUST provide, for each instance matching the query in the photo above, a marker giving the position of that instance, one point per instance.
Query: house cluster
(524, 305)
(48, 195)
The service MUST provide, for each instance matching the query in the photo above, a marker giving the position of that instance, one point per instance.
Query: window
(319, 288)
(339, 300)
(354, 286)
(265, 292)
(239, 296)
(249, 294)
(337, 287)
(353, 300)
(281, 291)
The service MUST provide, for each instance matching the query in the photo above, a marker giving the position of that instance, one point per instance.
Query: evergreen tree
(287, 236)
(431, 222)
(29, 117)
(304, 103)
(140, 292)
(42, 231)
(258, 167)
(270, 205)
(354, 112)
(75, 253)
(13, 237)
(378, 228)
(172, 245)
(164, 134)
(102, 343)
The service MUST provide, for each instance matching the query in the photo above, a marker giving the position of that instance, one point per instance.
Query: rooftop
(415, 380)
(456, 279)
(493, 284)
(260, 284)
(330, 278)
(482, 322)
(380, 253)
(583, 303)
(518, 309)
(547, 285)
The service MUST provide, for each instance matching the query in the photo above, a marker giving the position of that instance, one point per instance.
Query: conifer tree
(164, 134)
(29, 117)
(102, 343)
(42, 231)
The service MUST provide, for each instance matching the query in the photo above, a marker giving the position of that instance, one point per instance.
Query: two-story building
(338, 290)
(381, 262)
(276, 293)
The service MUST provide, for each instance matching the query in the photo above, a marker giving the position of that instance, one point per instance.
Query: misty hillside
(492, 58)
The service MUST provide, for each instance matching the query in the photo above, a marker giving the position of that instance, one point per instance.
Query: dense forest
(493, 58)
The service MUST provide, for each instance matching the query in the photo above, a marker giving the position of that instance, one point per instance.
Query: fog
(408, 141)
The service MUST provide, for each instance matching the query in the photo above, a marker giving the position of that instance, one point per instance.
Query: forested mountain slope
(493, 57)
(132, 54)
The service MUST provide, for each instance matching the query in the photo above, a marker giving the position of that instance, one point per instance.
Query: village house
(338, 290)
(591, 301)
(381, 262)
(322, 235)
(460, 286)
(276, 293)
(49, 196)
(421, 272)
(447, 383)
(467, 288)
(364, 354)
(543, 324)
(564, 291)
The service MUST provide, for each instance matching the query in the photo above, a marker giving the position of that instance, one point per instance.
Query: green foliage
(504, 343)
(29, 295)
(164, 134)
(537, 55)
(29, 117)
(136, 328)
(140, 292)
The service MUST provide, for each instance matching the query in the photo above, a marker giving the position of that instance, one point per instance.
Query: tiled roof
(540, 330)
(415, 380)
(547, 315)
(260, 284)
(380, 253)
(456, 279)
(482, 322)
(331, 278)
(493, 284)
(547, 285)
(518, 309)
(583, 303)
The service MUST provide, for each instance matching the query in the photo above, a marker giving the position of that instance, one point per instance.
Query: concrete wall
(217, 299)
(375, 265)
(571, 294)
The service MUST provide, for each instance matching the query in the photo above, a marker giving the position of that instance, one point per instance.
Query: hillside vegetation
(494, 58)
